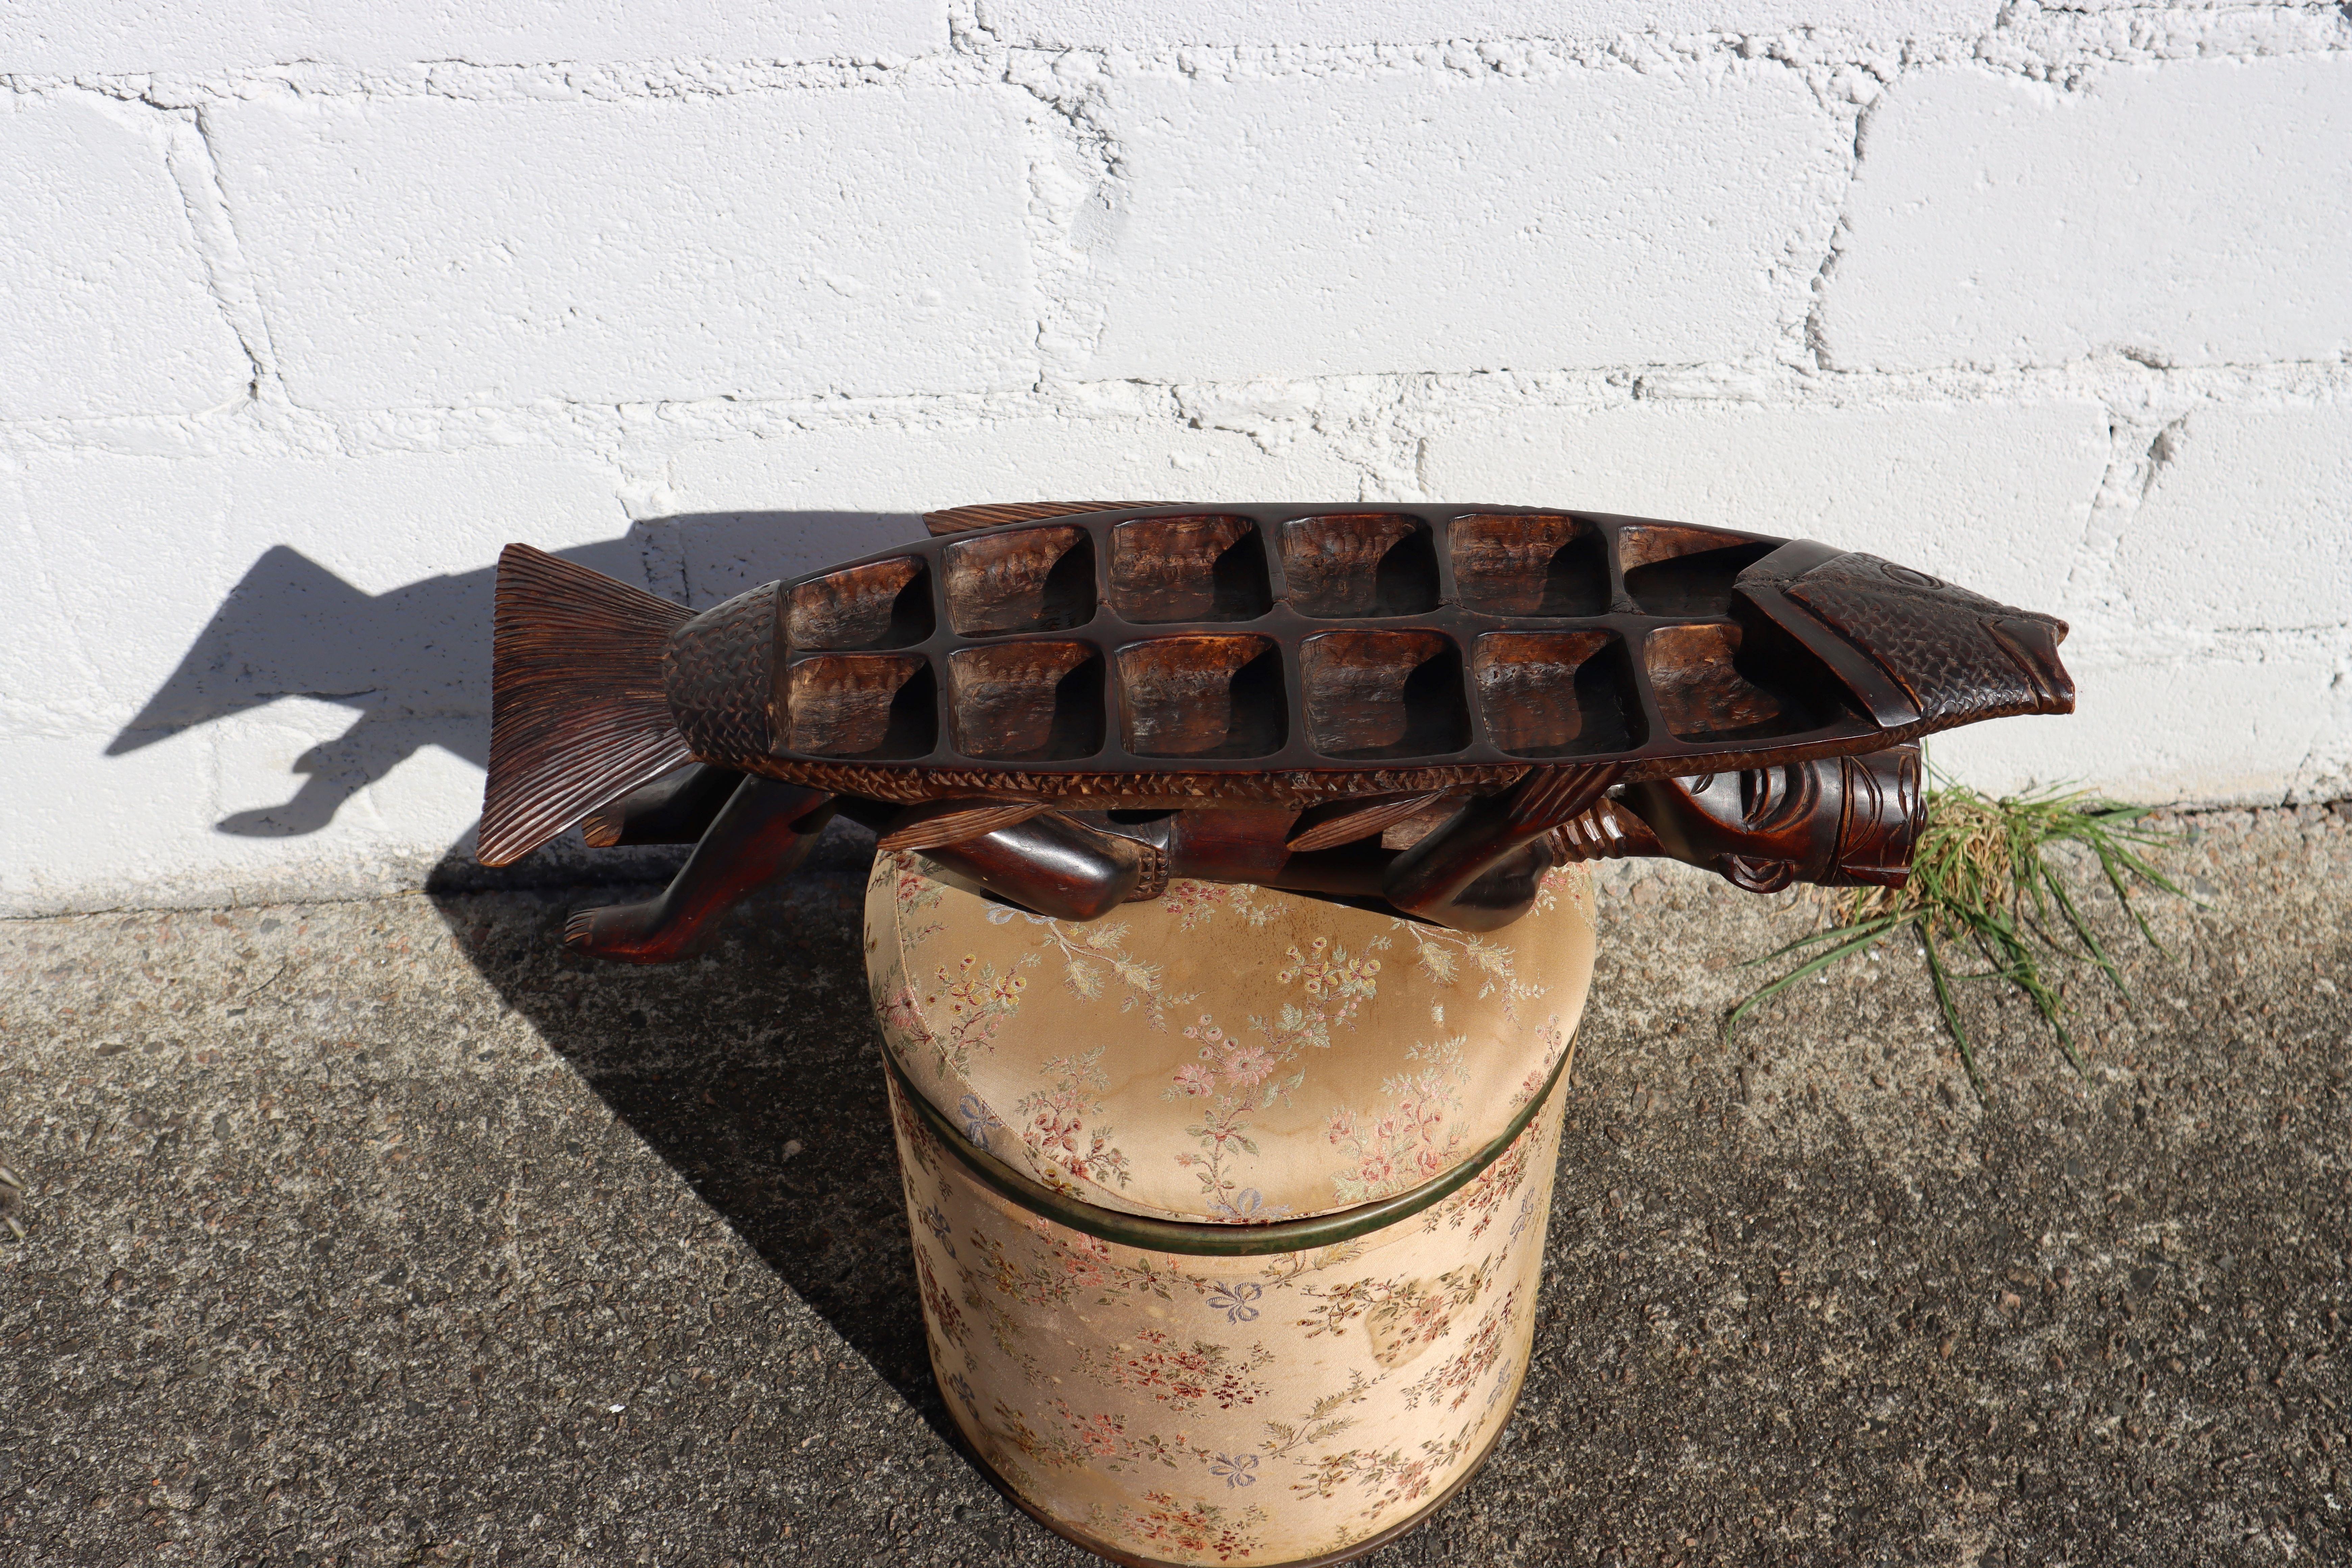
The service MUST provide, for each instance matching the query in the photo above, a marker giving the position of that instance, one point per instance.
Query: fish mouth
(2031, 643)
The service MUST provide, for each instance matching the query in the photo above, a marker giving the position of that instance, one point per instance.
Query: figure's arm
(765, 830)
(1052, 864)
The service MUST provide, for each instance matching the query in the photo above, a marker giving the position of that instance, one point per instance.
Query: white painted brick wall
(110, 307)
(65, 37)
(2186, 561)
(1151, 23)
(419, 252)
(314, 306)
(2194, 213)
(1438, 222)
(1996, 496)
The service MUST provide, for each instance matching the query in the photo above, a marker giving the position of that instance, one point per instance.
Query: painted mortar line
(2025, 44)
(1338, 407)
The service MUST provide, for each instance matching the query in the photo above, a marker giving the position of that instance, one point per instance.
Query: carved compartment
(1026, 702)
(1556, 694)
(1359, 563)
(1540, 564)
(873, 707)
(1020, 580)
(1383, 694)
(882, 604)
(1707, 691)
(1672, 569)
(1207, 695)
(1208, 568)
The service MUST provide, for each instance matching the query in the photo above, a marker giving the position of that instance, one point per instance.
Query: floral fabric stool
(1228, 1209)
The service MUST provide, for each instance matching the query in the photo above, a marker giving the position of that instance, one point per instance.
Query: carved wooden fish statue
(1065, 704)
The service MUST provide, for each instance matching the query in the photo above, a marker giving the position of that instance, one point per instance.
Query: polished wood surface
(1069, 703)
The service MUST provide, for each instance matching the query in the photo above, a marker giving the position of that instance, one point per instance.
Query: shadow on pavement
(752, 1072)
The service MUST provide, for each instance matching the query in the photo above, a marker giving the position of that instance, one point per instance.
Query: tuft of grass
(1982, 880)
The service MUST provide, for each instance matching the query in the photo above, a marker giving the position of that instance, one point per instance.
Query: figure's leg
(677, 809)
(765, 830)
(1476, 872)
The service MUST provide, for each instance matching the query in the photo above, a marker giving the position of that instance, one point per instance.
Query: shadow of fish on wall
(413, 662)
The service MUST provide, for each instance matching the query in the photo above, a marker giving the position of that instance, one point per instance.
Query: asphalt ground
(386, 1231)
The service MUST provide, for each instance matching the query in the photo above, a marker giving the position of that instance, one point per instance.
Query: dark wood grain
(997, 514)
(1673, 570)
(1202, 697)
(1837, 822)
(1520, 564)
(1027, 702)
(763, 832)
(1372, 695)
(882, 604)
(1555, 694)
(1702, 691)
(1278, 694)
(1020, 580)
(1359, 563)
(1206, 568)
(861, 705)
(676, 808)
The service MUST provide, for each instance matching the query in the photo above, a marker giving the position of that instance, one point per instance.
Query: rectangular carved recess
(1539, 564)
(882, 604)
(1359, 563)
(1556, 694)
(874, 706)
(1026, 702)
(1207, 696)
(1374, 695)
(1020, 580)
(1704, 692)
(1676, 571)
(1210, 568)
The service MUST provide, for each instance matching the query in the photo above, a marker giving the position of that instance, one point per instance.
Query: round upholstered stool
(1228, 1210)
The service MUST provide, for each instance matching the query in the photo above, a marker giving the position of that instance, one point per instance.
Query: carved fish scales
(1088, 657)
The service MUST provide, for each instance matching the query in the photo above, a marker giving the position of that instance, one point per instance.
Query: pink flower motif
(1249, 1064)
(1195, 1080)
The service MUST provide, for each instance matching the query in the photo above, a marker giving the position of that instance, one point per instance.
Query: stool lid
(1223, 1053)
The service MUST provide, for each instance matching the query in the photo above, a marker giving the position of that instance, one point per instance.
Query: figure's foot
(641, 932)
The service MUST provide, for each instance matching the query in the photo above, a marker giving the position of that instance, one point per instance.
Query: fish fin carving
(1362, 822)
(964, 820)
(964, 519)
(577, 713)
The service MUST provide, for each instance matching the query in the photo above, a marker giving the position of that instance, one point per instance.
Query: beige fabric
(1207, 1410)
(1223, 1053)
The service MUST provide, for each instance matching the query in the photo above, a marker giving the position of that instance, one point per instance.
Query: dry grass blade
(1982, 878)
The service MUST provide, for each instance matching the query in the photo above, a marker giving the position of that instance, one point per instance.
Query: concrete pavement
(384, 1232)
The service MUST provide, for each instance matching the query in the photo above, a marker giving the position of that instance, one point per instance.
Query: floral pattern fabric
(1223, 1053)
(1212, 1410)
(1226, 1054)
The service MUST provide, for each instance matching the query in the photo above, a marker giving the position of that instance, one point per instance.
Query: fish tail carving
(578, 717)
